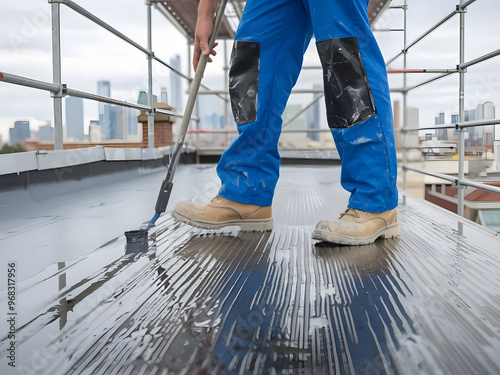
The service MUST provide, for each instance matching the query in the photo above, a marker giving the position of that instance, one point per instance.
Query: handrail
(455, 180)
(458, 125)
(77, 8)
(52, 87)
(59, 90)
(28, 82)
(429, 31)
(461, 125)
(479, 59)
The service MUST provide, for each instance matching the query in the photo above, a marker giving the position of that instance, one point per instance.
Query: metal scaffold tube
(151, 118)
(405, 94)
(28, 82)
(56, 72)
(461, 114)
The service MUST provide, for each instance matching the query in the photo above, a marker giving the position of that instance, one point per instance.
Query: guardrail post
(461, 113)
(405, 112)
(56, 72)
(151, 118)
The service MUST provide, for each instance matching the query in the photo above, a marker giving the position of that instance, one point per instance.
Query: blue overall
(266, 60)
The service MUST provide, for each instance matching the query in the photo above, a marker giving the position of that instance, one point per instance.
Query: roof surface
(242, 302)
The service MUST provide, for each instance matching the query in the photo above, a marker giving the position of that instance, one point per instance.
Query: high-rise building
(19, 132)
(104, 89)
(490, 131)
(74, 118)
(412, 121)
(488, 111)
(439, 120)
(45, 132)
(132, 121)
(470, 115)
(176, 84)
(119, 122)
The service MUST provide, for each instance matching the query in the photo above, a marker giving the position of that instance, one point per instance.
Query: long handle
(166, 187)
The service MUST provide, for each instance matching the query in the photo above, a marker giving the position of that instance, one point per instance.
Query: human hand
(204, 28)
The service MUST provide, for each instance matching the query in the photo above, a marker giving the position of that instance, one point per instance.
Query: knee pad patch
(244, 81)
(348, 96)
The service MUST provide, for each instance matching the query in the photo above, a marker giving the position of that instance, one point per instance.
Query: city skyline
(128, 71)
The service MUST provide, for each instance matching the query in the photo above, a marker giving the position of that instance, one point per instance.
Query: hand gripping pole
(167, 184)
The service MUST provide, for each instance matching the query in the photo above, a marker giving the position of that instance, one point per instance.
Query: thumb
(204, 47)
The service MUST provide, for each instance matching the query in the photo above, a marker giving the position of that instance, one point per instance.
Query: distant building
(45, 133)
(442, 134)
(489, 130)
(119, 122)
(19, 132)
(412, 121)
(104, 89)
(470, 115)
(439, 119)
(176, 84)
(132, 121)
(164, 95)
(74, 118)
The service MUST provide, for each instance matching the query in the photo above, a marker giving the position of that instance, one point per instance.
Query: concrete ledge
(19, 162)
(68, 158)
(44, 160)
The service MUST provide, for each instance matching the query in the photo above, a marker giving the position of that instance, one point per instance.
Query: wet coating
(244, 80)
(231, 302)
(348, 96)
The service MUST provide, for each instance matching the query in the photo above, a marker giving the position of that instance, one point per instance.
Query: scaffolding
(460, 181)
(59, 90)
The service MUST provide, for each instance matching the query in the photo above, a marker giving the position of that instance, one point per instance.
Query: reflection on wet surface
(200, 302)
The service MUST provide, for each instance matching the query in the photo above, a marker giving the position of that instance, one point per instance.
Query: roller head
(137, 236)
(137, 241)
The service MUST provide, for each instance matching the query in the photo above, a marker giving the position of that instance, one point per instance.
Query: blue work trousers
(266, 60)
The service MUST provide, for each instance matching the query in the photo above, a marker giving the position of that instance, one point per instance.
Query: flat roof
(193, 300)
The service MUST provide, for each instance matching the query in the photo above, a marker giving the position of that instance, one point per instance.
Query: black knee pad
(244, 81)
(348, 96)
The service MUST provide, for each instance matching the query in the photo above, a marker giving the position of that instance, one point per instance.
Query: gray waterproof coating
(244, 81)
(348, 96)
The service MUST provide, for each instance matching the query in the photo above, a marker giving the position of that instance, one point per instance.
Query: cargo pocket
(244, 81)
(348, 97)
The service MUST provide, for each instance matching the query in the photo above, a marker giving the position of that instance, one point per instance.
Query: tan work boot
(355, 227)
(221, 212)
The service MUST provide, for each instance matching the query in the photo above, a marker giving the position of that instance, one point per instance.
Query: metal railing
(59, 90)
(461, 126)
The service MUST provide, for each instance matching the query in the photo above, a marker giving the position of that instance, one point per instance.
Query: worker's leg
(360, 117)
(265, 63)
(357, 101)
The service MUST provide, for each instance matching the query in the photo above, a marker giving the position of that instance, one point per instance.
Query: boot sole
(391, 231)
(245, 225)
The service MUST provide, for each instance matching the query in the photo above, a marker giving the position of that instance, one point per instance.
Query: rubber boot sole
(387, 232)
(245, 225)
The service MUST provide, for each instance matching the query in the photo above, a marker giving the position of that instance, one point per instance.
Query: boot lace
(352, 212)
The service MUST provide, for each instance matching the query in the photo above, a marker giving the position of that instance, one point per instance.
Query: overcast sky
(91, 54)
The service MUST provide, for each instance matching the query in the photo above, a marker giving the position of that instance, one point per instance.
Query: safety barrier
(59, 90)
(461, 125)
